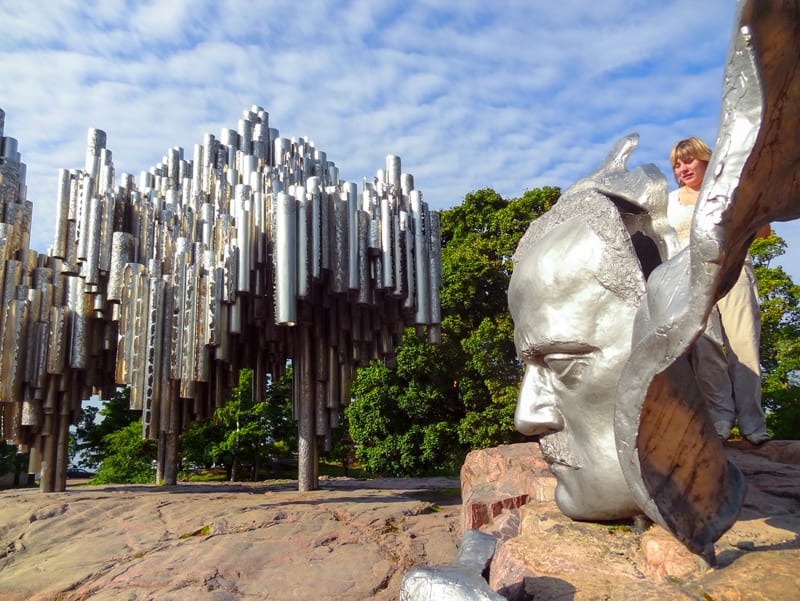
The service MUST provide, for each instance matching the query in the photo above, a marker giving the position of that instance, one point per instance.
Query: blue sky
(511, 95)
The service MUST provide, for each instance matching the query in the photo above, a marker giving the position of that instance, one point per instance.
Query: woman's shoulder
(672, 198)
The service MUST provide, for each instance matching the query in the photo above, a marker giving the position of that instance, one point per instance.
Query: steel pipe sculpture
(251, 254)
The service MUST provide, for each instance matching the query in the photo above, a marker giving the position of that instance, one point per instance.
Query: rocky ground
(351, 540)
(545, 556)
(354, 539)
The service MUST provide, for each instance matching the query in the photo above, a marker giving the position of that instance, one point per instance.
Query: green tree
(342, 449)
(12, 461)
(96, 423)
(199, 442)
(247, 430)
(402, 420)
(442, 401)
(780, 339)
(127, 458)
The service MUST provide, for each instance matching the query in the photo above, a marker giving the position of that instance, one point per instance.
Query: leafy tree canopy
(780, 339)
(442, 401)
(250, 430)
(97, 423)
(127, 458)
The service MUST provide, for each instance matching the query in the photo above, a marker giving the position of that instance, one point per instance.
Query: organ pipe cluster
(250, 253)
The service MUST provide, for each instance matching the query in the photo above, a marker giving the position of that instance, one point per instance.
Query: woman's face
(691, 172)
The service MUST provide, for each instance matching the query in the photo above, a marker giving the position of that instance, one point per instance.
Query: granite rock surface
(355, 539)
(546, 556)
(351, 540)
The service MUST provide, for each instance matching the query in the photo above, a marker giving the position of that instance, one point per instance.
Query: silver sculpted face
(573, 297)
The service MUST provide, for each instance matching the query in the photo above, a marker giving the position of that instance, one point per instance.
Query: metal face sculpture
(573, 319)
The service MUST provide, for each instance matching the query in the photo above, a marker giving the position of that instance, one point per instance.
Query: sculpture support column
(160, 457)
(171, 439)
(171, 459)
(49, 455)
(62, 456)
(307, 443)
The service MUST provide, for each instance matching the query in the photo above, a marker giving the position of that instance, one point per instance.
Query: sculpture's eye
(569, 368)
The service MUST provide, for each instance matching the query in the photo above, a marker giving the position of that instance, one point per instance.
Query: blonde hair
(686, 150)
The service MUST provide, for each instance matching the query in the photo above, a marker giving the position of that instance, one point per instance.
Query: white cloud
(510, 94)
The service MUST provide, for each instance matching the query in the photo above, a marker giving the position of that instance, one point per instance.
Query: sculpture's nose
(537, 406)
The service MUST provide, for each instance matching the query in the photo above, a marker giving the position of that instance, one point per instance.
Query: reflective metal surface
(573, 297)
(461, 581)
(251, 254)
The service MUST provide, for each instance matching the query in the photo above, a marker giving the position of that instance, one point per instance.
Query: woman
(725, 358)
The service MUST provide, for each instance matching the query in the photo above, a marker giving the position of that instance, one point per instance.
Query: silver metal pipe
(62, 214)
(407, 232)
(245, 128)
(235, 317)
(435, 266)
(14, 217)
(325, 229)
(8, 149)
(229, 138)
(215, 280)
(92, 264)
(282, 149)
(201, 359)
(352, 198)
(12, 360)
(208, 163)
(137, 337)
(316, 229)
(340, 254)
(105, 178)
(108, 218)
(304, 210)
(57, 342)
(96, 142)
(364, 282)
(285, 262)
(400, 289)
(387, 243)
(13, 278)
(187, 356)
(261, 142)
(151, 384)
(419, 211)
(84, 215)
(393, 171)
(243, 237)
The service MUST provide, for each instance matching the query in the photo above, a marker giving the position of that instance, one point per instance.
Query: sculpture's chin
(602, 507)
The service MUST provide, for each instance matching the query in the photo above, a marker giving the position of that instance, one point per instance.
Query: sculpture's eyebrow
(548, 347)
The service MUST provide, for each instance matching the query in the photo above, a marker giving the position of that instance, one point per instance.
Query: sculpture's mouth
(556, 451)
